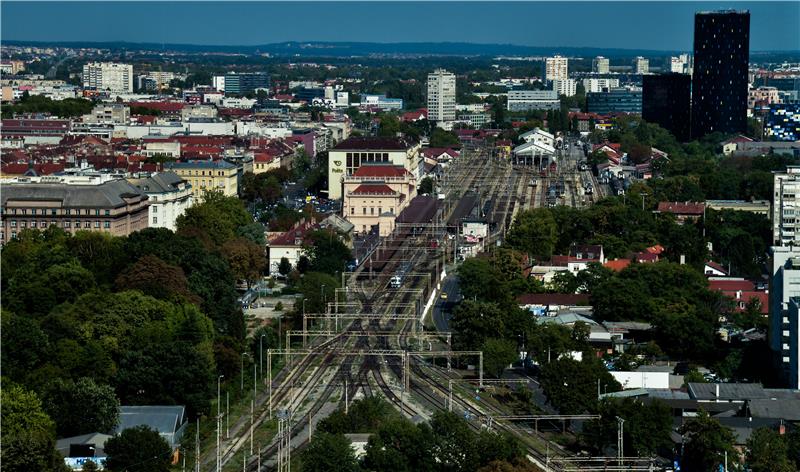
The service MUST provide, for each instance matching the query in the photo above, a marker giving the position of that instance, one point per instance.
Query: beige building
(375, 195)
(169, 196)
(556, 68)
(207, 175)
(600, 65)
(768, 95)
(106, 205)
(109, 113)
(352, 153)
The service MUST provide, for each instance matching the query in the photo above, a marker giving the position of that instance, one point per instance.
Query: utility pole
(197, 446)
(620, 440)
(219, 419)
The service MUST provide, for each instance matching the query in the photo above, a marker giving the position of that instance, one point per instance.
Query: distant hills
(346, 49)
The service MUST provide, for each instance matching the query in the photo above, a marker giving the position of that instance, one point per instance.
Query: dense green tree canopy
(139, 448)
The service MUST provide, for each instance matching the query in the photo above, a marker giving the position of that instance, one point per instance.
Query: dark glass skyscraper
(719, 82)
(665, 102)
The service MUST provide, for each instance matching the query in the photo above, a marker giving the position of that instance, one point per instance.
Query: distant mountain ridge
(345, 49)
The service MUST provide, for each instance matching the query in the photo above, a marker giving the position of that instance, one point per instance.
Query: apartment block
(441, 96)
(600, 65)
(202, 176)
(108, 76)
(556, 68)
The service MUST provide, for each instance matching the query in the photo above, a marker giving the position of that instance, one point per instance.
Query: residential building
(156, 80)
(599, 85)
(681, 64)
(683, 210)
(600, 65)
(618, 100)
(786, 207)
(641, 65)
(352, 153)
(243, 83)
(375, 194)
(380, 101)
(720, 79)
(198, 111)
(793, 371)
(783, 122)
(556, 68)
(524, 100)
(762, 95)
(760, 207)
(109, 113)
(666, 102)
(86, 203)
(110, 76)
(289, 245)
(784, 287)
(441, 96)
(162, 148)
(475, 119)
(207, 176)
(169, 196)
(218, 83)
(568, 87)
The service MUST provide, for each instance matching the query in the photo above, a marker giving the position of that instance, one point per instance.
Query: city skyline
(177, 23)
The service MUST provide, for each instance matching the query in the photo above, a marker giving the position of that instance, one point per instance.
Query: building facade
(598, 85)
(666, 102)
(169, 196)
(441, 96)
(783, 123)
(205, 176)
(556, 68)
(346, 157)
(110, 76)
(107, 205)
(720, 80)
(375, 195)
(762, 95)
(618, 100)
(524, 100)
(641, 65)
(243, 83)
(600, 65)
(568, 87)
(109, 113)
(786, 207)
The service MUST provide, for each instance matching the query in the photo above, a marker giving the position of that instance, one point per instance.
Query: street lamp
(261, 355)
(219, 414)
(242, 370)
(321, 295)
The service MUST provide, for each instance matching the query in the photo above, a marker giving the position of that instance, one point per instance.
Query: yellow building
(374, 195)
(208, 175)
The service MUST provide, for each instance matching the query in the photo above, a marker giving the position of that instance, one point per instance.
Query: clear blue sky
(632, 25)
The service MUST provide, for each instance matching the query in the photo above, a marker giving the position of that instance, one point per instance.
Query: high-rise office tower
(556, 68)
(719, 80)
(600, 65)
(665, 101)
(441, 96)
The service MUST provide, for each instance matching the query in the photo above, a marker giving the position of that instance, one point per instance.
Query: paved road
(441, 319)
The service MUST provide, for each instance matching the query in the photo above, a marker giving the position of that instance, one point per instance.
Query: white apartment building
(218, 83)
(441, 96)
(641, 65)
(109, 113)
(786, 207)
(169, 197)
(568, 87)
(600, 65)
(524, 100)
(681, 64)
(556, 68)
(597, 85)
(111, 76)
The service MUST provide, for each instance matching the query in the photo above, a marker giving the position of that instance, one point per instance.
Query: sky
(627, 25)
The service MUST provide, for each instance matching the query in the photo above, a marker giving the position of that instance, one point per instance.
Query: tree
(28, 434)
(441, 138)
(81, 407)
(571, 386)
(426, 186)
(497, 355)
(156, 278)
(706, 441)
(646, 432)
(534, 232)
(217, 216)
(400, 446)
(327, 253)
(364, 416)
(327, 452)
(284, 267)
(139, 448)
(245, 258)
(767, 451)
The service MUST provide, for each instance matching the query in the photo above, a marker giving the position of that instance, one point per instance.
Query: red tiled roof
(682, 208)
(645, 256)
(380, 171)
(657, 249)
(728, 285)
(263, 157)
(373, 189)
(717, 266)
(436, 152)
(617, 264)
(298, 233)
(164, 107)
(553, 299)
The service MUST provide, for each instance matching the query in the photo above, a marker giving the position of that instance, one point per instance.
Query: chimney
(716, 391)
(683, 259)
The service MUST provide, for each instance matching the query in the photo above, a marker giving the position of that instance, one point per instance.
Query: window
(24, 211)
(13, 223)
(380, 210)
(352, 210)
(96, 224)
(53, 223)
(106, 224)
(33, 211)
(66, 224)
(53, 212)
(23, 224)
(88, 211)
(97, 212)
(33, 224)
(77, 224)
(67, 211)
(365, 210)
(108, 212)
(13, 235)
(371, 210)
(155, 220)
